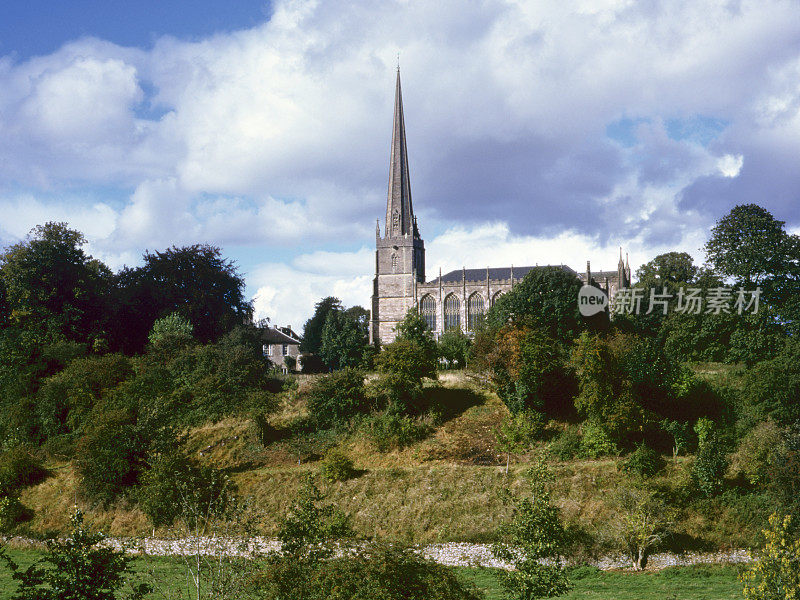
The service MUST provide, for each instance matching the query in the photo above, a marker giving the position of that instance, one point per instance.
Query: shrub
(776, 573)
(76, 567)
(758, 453)
(644, 462)
(334, 399)
(110, 457)
(173, 487)
(337, 467)
(11, 512)
(596, 442)
(517, 432)
(640, 522)
(398, 392)
(391, 431)
(708, 471)
(372, 572)
(172, 330)
(19, 469)
(567, 445)
(453, 348)
(407, 358)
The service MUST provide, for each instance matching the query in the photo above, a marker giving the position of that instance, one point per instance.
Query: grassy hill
(444, 487)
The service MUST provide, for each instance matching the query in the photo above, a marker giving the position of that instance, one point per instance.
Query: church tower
(399, 252)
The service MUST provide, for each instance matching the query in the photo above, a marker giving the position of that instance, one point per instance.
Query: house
(281, 347)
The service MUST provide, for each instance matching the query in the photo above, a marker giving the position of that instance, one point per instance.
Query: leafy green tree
(344, 338)
(312, 330)
(51, 285)
(413, 328)
(644, 462)
(681, 435)
(773, 386)
(454, 346)
(195, 281)
(747, 245)
(641, 521)
(79, 567)
(776, 573)
(546, 298)
(710, 462)
(674, 267)
(534, 535)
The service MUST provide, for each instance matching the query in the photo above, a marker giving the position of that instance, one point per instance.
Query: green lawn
(679, 583)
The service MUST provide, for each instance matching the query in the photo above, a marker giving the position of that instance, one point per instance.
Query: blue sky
(538, 132)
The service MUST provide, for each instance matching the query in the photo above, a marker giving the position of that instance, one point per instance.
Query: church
(457, 299)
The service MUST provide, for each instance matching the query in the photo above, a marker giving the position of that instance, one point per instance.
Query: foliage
(310, 529)
(517, 432)
(375, 571)
(710, 462)
(596, 441)
(172, 329)
(644, 462)
(641, 521)
(344, 337)
(681, 435)
(544, 299)
(175, 488)
(78, 567)
(776, 573)
(389, 430)
(567, 445)
(773, 386)
(336, 467)
(454, 346)
(19, 468)
(675, 267)
(11, 512)
(758, 453)
(313, 328)
(534, 533)
(334, 399)
(110, 456)
(528, 368)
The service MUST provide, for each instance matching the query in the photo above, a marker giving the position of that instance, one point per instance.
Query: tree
(776, 573)
(312, 330)
(710, 462)
(344, 337)
(194, 281)
(51, 285)
(546, 298)
(454, 347)
(641, 521)
(747, 244)
(534, 542)
(171, 329)
(517, 432)
(336, 398)
(78, 567)
(674, 267)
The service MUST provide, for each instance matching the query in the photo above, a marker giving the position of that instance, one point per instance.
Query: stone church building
(456, 299)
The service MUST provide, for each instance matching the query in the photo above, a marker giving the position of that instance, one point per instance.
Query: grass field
(679, 583)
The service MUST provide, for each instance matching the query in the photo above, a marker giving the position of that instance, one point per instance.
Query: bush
(11, 512)
(110, 457)
(334, 399)
(708, 471)
(337, 467)
(391, 431)
(567, 445)
(644, 462)
(408, 359)
(398, 392)
(373, 572)
(173, 487)
(758, 453)
(453, 348)
(776, 573)
(19, 469)
(596, 442)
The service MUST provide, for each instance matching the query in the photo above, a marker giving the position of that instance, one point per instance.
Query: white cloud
(730, 165)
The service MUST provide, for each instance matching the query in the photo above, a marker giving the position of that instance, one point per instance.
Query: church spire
(399, 214)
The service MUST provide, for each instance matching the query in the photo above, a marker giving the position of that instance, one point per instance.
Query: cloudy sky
(538, 132)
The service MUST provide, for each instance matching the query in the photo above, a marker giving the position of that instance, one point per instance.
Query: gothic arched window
(452, 312)
(495, 297)
(427, 308)
(475, 310)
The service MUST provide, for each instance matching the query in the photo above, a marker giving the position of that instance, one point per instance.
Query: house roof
(495, 274)
(270, 335)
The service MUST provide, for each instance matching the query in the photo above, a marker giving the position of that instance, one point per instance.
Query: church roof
(495, 274)
(399, 211)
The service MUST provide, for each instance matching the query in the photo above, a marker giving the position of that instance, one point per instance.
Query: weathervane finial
(398, 61)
